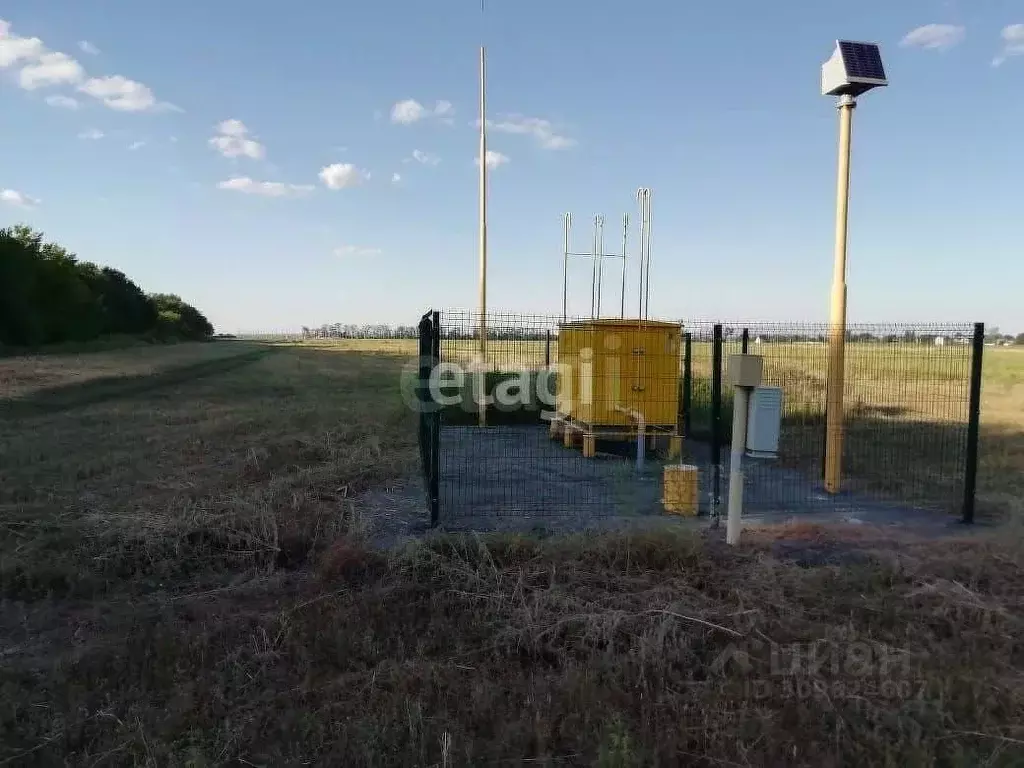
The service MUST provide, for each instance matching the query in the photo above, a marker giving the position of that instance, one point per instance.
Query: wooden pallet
(575, 433)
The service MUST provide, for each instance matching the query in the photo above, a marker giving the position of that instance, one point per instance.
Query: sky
(281, 165)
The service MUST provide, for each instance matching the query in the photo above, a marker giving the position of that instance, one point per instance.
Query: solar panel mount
(853, 69)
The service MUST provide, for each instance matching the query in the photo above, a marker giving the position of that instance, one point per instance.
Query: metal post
(423, 391)
(593, 279)
(837, 325)
(642, 205)
(483, 230)
(716, 421)
(599, 236)
(566, 226)
(746, 340)
(647, 266)
(625, 243)
(435, 431)
(973, 423)
(687, 382)
(738, 441)
(547, 348)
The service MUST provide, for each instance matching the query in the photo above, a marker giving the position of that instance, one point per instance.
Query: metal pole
(687, 381)
(973, 423)
(483, 231)
(435, 424)
(593, 280)
(716, 421)
(643, 241)
(738, 441)
(625, 243)
(647, 267)
(837, 322)
(566, 225)
(745, 341)
(600, 260)
(547, 349)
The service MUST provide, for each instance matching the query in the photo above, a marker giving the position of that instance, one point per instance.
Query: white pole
(483, 233)
(739, 440)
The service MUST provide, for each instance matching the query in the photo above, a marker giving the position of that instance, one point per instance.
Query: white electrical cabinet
(764, 419)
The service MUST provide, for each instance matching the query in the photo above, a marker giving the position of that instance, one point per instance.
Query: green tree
(47, 296)
(179, 318)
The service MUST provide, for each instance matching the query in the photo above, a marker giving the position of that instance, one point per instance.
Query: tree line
(48, 296)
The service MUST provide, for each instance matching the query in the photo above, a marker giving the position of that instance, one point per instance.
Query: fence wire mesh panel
(543, 418)
(906, 411)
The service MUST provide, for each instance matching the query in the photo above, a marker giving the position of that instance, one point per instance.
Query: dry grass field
(185, 580)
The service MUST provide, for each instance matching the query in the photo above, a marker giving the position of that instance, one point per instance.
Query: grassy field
(186, 580)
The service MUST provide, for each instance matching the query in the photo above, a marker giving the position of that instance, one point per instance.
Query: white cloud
(408, 111)
(91, 134)
(411, 111)
(539, 128)
(64, 102)
(935, 37)
(41, 67)
(122, 94)
(14, 48)
(232, 140)
(355, 250)
(249, 186)
(425, 158)
(494, 159)
(52, 68)
(342, 175)
(395, 178)
(1013, 43)
(136, 145)
(86, 47)
(20, 199)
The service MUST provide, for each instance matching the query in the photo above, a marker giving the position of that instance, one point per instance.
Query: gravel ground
(515, 478)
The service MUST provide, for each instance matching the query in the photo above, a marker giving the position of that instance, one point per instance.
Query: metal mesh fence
(581, 417)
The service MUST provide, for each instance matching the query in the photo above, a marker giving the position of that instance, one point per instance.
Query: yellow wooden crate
(681, 490)
(606, 366)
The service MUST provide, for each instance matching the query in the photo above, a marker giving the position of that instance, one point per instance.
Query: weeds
(186, 579)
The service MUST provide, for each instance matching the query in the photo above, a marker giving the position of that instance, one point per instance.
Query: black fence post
(973, 423)
(716, 419)
(422, 394)
(687, 381)
(547, 348)
(435, 430)
(746, 340)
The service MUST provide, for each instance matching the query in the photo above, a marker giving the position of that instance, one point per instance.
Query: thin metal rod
(625, 243)
(483, 228)
(647, 263)
(834, 436)
(566, 226)
(600, 260)
(643, 239)
(593, 280)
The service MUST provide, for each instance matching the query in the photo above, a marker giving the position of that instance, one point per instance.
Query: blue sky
(714, 106)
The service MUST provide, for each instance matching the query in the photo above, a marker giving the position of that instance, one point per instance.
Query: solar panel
(862, 60)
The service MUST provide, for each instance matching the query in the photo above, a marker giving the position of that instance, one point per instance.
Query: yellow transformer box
(610, 372)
